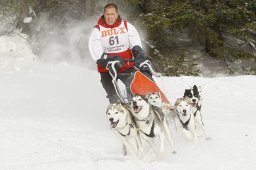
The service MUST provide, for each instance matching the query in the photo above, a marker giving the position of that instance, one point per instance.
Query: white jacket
(95, 43)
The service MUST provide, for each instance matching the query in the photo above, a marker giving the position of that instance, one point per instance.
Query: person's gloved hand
(103, 60)
(107, 60)
(139, 55)
(145, 67)
(115, 61)
(140, 60)
(114, 64)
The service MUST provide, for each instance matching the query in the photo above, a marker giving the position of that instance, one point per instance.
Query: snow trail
(53, 117)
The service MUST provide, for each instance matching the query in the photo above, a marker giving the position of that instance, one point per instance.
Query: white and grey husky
(151, 123)
(155, 99)
(122, 124)
(184, 119)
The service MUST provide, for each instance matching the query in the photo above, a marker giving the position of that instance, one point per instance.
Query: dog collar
(146, 119)
(151, 134)
(130, 126)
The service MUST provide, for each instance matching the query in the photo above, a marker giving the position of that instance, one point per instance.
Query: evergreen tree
(212, 23)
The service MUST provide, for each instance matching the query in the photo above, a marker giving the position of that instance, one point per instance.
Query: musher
(115, 44)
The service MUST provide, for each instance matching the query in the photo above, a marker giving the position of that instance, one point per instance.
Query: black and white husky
(184, 119)
(194, 97)
(122, 124)
(151, 123)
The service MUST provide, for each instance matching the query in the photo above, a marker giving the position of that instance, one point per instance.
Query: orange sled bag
(142, 85)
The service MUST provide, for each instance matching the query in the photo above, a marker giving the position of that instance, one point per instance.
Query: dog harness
(130, 126)
(151, 134)
(147, 121)
(185, 125)
(198, 108)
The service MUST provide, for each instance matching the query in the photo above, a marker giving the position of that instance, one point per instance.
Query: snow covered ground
(52, 117)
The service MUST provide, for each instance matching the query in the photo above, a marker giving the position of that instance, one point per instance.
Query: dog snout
(111, 119)
(184, 111)
(134, 103)
(194, 100)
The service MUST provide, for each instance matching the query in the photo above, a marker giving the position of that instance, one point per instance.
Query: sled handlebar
(146, 62)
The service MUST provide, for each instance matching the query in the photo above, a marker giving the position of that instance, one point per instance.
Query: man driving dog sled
(115, 46)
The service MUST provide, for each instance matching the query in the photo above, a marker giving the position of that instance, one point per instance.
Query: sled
(140, 84)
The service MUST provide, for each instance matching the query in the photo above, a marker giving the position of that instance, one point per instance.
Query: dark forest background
(183, 37)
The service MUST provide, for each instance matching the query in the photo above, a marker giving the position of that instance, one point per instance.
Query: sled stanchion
(118, 92)
(113, 73)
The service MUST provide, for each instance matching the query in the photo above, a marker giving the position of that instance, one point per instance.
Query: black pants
(107, 84)
(126, 78)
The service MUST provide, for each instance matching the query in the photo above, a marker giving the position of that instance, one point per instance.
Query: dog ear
(147, 96)
(196, 91)
(123, 105)
(120, 104)
(108, 108)
(159, 94)
(172, 108)
(186, 93)
(177, 102)
(144, 98)
(195, 88)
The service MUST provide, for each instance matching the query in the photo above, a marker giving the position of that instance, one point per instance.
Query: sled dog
(184, 119)
(194, 97)
(122, 124)
(151, 123)
(156, 100)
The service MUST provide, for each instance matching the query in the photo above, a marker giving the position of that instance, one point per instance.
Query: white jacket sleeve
(134, 37)
(95, 46)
